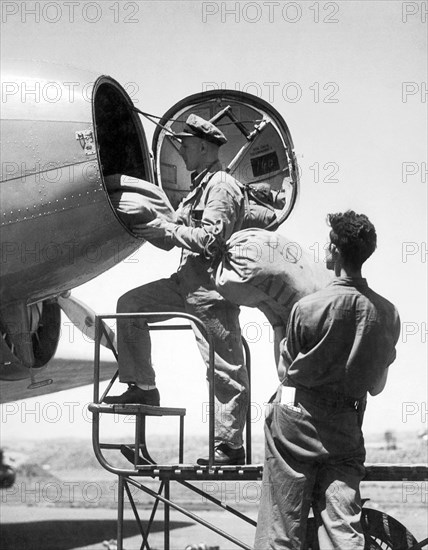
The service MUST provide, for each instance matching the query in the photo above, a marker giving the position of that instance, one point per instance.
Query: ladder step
(146, 410)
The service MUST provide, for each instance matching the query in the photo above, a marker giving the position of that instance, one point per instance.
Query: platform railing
(156, 317)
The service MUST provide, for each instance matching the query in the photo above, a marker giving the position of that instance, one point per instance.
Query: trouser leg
(337, 506)
(133, 337)
(221, 319)
(337, 503)
(286, 491)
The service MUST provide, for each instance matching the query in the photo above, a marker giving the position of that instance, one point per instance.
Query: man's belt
(328, 399)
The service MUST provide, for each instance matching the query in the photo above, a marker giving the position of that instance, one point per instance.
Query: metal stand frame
(144, 466)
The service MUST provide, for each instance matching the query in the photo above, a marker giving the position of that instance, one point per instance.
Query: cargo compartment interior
(119, 134)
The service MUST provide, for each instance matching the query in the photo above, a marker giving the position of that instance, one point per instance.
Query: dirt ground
(61, 528)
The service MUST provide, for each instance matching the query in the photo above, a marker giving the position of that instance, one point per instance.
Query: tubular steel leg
(120, 497)
(181, 442)
(153, 514)
(145, 536)
(211, 383)
(166, 511)
(248, 426)
(97, 359)
(138, 434)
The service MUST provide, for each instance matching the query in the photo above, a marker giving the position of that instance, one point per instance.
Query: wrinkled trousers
(194, 294)
(313, 457)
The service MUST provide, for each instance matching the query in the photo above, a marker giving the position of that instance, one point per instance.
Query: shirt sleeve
(292, 343)
(397, 330)
(220, 215)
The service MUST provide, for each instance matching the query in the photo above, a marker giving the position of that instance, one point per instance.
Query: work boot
(136, 396)
(225, 456)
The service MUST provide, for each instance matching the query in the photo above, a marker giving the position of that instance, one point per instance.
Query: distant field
(66, 472)
(409, 451)
(77, 454)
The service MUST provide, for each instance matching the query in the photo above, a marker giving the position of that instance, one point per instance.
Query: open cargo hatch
(259, 147)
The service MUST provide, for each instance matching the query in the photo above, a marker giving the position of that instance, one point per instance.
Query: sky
(350, 80)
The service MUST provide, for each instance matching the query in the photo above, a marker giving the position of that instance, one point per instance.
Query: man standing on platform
(338, 346)
(215, 204)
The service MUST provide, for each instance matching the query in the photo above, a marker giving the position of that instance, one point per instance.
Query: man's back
(343, 338)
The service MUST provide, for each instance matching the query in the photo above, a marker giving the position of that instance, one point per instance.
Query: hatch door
(259, 148)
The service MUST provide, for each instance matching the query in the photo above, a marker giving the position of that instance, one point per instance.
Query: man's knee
(126, 303)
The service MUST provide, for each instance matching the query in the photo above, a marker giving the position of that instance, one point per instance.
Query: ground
(64, 500)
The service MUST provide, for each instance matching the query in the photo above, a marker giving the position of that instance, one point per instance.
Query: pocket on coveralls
(294, 430)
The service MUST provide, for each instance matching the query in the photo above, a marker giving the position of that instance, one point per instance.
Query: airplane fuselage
(59, 229)
(63, 131)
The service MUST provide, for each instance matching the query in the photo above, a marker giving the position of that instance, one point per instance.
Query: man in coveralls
(338, 346)
(215, 203)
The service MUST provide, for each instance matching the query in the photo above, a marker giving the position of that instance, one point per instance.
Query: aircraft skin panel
(39, 91)
(49, 147)
(46, 193)
(61, 245)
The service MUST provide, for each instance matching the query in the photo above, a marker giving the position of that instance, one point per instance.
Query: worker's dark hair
(354, 235)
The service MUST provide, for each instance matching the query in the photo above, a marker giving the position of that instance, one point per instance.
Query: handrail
(161, 317)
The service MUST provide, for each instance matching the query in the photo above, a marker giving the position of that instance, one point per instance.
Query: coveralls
(339, 342)
(216, 200)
